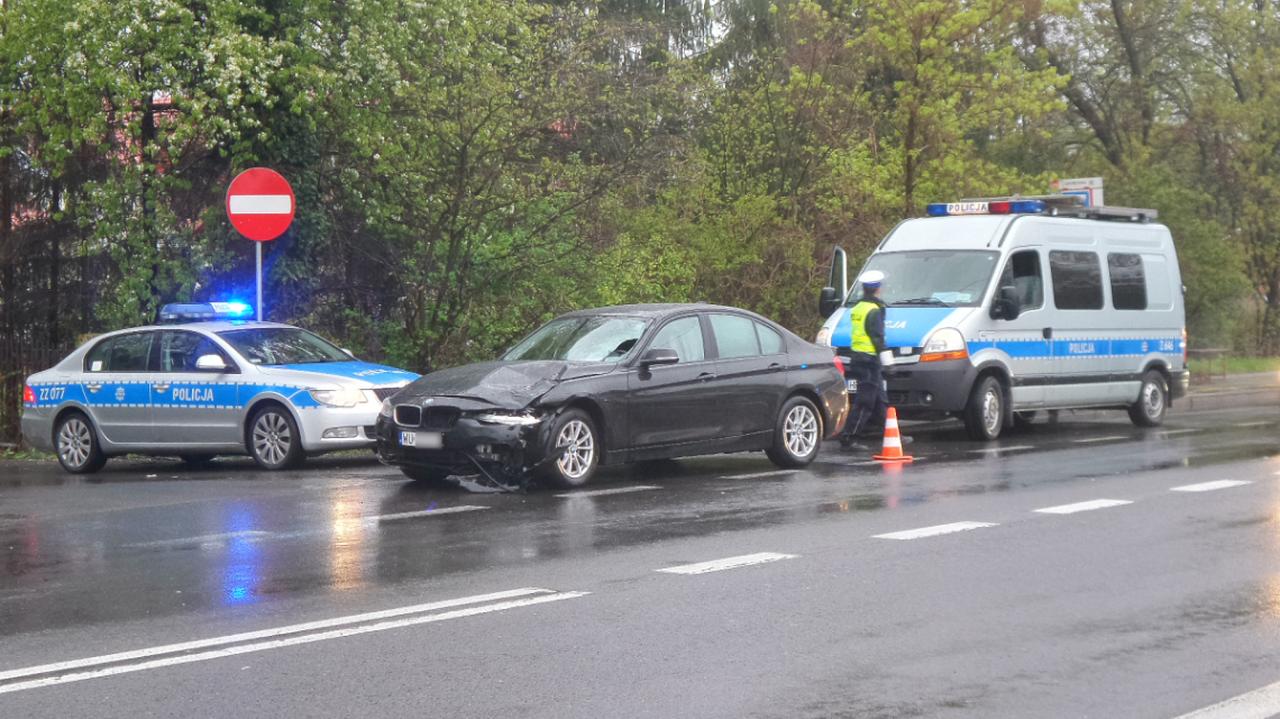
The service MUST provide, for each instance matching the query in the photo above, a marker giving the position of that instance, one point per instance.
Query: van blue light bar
(985, 207)
(204, 311)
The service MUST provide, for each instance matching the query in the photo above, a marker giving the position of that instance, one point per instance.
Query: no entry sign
(260, 204)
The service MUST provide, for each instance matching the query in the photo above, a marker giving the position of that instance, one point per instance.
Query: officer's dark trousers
(870, 401)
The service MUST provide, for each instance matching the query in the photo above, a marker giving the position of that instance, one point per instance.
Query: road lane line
(1257, 704)
(1210, 486)
(1263, 423)
(935, 530)
(286, 642)
(1014, 448)
(1111, 438)
(1083, 506)
(269, 633)
(607, 492)
(716, 565)
(424, 513)
(1172, 432)
(202, 539)
(753, 475)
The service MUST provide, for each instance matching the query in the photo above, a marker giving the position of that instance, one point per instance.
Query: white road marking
(1257, 704)
(545, 595)
(1262, 423)
(259, 204)
(202, 539)
(753, 475)
(1210, 486)
(935, 530)
(1002, 449)
(606, 492)
(1172, 432)
(717, 565)
(424, 513)
(1111, 438)
(1084, 506)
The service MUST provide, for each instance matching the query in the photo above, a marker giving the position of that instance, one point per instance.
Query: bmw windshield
(282, 345)
(581, 339)
(931, 278)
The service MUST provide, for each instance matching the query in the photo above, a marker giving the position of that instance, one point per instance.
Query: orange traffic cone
(892, 451)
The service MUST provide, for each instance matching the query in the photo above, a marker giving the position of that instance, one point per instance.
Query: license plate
(425, 440)
(851, 385)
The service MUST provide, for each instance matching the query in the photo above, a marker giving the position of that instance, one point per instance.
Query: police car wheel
(984, 414)
(576, 465)
(273, 439)
(77, 445)
(797, 434)
(1152, 402)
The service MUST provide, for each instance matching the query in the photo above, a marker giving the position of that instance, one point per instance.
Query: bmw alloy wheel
(580, 449)
(800, 431)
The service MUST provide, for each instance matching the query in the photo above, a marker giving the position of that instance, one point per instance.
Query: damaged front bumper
(506, 455)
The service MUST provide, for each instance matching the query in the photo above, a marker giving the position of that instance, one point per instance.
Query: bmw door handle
(160, 387)
(707, 376)
(93, 387)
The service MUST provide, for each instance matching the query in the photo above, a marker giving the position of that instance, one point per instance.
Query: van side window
(1022, 273)
(1128, 281)
(1077, 280)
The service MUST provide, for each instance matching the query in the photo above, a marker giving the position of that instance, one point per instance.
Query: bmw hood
(508, 385)
(374, 375)
(903, 326)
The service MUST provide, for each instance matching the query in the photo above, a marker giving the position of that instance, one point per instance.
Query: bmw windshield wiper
(920, 301)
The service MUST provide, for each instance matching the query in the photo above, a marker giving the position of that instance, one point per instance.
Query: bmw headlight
(513, 419)
(345, 397)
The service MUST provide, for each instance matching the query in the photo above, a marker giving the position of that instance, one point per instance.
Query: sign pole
(259, 303)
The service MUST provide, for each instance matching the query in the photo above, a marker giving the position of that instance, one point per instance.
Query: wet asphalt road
(1155, 604)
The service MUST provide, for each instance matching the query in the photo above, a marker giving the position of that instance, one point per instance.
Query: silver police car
(204, 388)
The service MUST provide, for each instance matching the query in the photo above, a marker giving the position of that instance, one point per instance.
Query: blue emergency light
(985, 207)
(177, 312)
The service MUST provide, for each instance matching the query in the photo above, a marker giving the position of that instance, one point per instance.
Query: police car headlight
(515, 419)
(824, 337)
(338, 397)
(385, 411)
(945, 344)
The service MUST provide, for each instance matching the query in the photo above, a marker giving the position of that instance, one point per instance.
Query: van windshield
(931, 278)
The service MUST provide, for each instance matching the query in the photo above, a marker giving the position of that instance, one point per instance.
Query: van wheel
(1152, 402)
(984, 414)
(576, 433)
(274, 440)
(797, 434)
(77, 445)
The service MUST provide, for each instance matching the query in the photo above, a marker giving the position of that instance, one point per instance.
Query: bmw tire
(273, 439)
(1153, 401)
(76, 443)
(985, 412)
(576, 443)
(797, 434)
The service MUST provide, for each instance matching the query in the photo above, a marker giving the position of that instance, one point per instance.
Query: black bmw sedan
(619, 384)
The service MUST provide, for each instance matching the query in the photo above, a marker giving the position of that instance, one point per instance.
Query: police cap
(871, 278)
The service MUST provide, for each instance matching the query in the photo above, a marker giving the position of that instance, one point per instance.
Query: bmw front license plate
(850, 384)
(424, 440)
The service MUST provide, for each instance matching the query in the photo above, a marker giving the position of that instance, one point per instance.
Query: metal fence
(18, 360)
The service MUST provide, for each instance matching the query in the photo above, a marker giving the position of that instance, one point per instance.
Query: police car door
(1022, 339)
(116, 387)
(194, 407)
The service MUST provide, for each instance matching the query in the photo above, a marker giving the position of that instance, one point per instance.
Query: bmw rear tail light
(839, 365)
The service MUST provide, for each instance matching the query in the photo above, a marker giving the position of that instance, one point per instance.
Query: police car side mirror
(828, 301)
(348, 353)
(1006, 305)
(211, 363)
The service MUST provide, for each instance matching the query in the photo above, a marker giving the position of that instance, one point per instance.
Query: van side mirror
(1006, 305)
(828, 301)
(659, 356)
(210, 363)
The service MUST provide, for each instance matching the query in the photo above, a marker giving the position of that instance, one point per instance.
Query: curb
(1261, 396)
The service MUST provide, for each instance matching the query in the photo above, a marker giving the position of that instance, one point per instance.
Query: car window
(684, 336)
(770, 341)
(1077, 280)
(1022, 273)
(1128, 281)
(122, 353)
(595, 338)
(283, 345)
(735, 336)
(180, 350)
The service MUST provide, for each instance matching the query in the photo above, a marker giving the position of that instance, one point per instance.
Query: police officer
(870, 400)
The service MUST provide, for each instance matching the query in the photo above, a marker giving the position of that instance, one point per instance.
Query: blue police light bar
(204, 311)
(985, 207)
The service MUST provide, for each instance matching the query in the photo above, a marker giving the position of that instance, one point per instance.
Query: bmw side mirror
(828, 301)
(657, 357)
(211, 363)
(1006, 305)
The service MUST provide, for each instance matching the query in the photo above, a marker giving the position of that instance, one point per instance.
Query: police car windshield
(282, 345)
(931, 278)
(581, 339)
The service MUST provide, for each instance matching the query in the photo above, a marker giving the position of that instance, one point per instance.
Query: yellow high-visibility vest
(858, 318)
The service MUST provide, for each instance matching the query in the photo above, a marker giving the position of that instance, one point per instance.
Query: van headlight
(513, 419)
(944, 344)
(338, 397)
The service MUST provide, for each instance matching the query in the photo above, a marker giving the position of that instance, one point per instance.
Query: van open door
(833, 294)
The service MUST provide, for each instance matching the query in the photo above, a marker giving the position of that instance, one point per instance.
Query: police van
(204, 382)
(999, 308)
